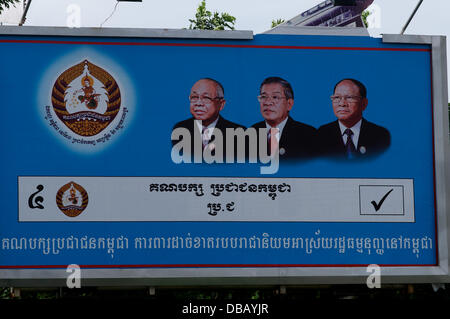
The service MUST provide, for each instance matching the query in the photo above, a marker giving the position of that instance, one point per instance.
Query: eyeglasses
(348, 98)
(204, 99)
(274, 98)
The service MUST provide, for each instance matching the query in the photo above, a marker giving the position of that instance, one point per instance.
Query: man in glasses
(291, 139)
(351, 136)
(206, 126)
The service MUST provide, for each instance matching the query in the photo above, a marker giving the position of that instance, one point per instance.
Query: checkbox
(381, 200)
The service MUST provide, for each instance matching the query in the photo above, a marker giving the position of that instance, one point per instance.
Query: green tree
(364, 16)
(276, 22)
(206, 20)
(6, 4)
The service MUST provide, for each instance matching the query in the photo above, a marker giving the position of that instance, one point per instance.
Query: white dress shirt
(206, 136)
(356, 129)
(280, 128)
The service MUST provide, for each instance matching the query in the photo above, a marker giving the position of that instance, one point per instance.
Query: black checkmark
(376, 205)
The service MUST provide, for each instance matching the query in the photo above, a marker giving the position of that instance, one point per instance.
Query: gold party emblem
(72, 199)
(86, 98)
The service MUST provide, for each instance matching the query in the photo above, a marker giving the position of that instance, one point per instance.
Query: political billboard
(274, 157)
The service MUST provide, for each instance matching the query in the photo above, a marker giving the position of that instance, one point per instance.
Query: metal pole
(24, 16)
(411, 17)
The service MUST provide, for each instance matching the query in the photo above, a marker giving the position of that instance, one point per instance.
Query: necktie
(205, 139)
(350, 148)
(272, 141)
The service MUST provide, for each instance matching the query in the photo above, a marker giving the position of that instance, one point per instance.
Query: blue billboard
(280, 151)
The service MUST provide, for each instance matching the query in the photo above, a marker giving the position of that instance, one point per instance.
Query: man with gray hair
(206, 124)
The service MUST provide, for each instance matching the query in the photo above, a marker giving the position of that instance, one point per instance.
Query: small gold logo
(72, 199)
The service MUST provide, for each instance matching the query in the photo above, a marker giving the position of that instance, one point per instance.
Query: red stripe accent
(208, 266)
(217, 45)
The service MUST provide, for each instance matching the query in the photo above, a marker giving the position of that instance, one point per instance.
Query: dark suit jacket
(222, 124)
(298, 140)
(373, 140)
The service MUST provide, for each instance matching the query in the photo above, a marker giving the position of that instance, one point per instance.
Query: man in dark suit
(206, 128)
(291, 139)
(351, 136)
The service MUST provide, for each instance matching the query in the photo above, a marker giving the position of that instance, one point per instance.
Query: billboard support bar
(411, 17)
(127, 32)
